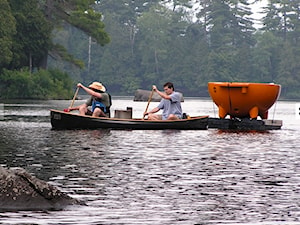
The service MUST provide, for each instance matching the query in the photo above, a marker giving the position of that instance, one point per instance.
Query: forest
(129, 45)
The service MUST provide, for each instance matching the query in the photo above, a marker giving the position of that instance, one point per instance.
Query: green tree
(154, 31)
(289, 71)
(126, 14)
(157, 41)
(43, 84)
(77, 13)
(282, 21)
(7, 31)
(266, 58)
(227, 23)
(32, 40)
(229, 34)
(117, 64)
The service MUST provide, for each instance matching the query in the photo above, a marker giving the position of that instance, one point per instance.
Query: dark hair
(169, 85)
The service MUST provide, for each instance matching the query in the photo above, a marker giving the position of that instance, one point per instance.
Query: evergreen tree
(229, 32)
(7, 31)
(77, 13)
(32, 40)
(282, 20)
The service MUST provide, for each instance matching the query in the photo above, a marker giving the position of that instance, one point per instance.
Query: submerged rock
(143, 96)
(21, 191)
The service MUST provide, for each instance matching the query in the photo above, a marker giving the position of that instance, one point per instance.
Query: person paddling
(100, 101)
(170, 104)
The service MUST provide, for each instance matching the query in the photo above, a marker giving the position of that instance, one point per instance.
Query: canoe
(67, 120)
(244, 100)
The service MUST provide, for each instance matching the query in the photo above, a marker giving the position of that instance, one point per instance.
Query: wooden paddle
(73, 100)
(149, 100)
(75, 95)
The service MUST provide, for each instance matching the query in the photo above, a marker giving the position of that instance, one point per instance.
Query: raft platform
(244, 124)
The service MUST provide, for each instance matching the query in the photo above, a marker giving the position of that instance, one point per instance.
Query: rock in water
(143, 96)
(21, 191)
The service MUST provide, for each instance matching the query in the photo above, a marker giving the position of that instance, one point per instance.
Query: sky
(256, 8)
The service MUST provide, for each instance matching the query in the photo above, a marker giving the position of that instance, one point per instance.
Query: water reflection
(159, 177)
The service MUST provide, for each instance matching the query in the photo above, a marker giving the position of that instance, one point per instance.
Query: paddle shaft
(75, 95)
(149, 100)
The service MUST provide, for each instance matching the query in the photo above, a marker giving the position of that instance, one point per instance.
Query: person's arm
(89, 91)
(76, 107)
(156, 109)
(161, 94)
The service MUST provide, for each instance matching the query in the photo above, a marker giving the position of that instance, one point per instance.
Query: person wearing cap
(99, 101)
(170, 104)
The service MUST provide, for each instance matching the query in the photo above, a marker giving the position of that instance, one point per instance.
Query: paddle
(73, 100)
(149, 100)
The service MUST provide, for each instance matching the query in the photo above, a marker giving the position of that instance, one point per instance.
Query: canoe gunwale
(133, 119)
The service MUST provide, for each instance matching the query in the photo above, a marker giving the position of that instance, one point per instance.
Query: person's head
(97, 86)
(168, 88)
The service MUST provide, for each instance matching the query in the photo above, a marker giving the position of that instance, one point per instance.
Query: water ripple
(160, 177)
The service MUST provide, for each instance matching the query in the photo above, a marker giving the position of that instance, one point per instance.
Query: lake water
(157, 177)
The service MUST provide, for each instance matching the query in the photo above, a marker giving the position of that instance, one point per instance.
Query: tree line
(187, 42)
(26, 43)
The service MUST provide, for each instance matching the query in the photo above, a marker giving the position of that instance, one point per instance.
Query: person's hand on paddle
(145, 114)
(79, 85)
(154, 88)
(70, 108)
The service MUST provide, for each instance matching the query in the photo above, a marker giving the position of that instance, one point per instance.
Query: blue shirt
(172, 106)
(102, 103)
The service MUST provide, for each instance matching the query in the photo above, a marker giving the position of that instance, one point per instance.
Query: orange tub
(243, 99)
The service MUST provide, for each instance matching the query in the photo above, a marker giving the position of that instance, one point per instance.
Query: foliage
(152, 42)
(61, 51)
(32, 40)
(26, 40)
(7, 30)
(90, 22)
(43, 84)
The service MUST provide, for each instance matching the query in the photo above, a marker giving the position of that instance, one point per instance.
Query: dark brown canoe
(67, 120)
